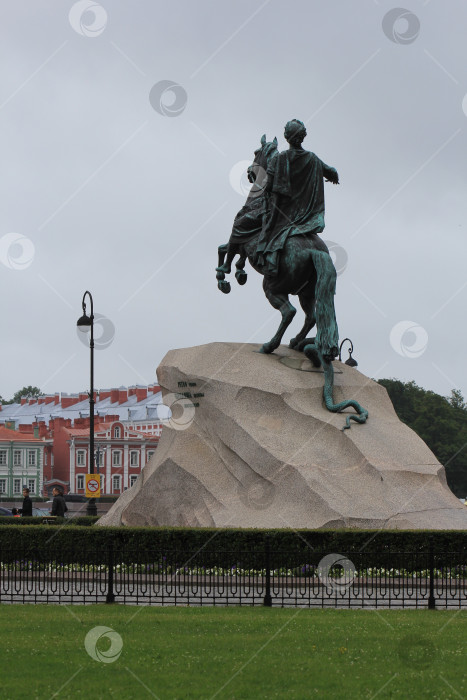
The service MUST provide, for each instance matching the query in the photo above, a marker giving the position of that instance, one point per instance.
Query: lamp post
(98, 459)
(86, 323)
(352, 362)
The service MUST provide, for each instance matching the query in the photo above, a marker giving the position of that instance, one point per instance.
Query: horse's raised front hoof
(224, 286)
(241, 276)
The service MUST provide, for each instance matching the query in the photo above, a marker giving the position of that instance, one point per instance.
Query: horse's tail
(325, 347)
(327, 336)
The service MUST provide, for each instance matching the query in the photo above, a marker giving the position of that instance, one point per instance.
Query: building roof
(104, 427)
(134, 410)
(8, 435)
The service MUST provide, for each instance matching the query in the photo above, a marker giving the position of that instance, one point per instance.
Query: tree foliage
(440, 422)
(30, 392)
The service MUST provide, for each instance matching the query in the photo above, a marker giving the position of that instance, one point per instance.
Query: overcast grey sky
(101, 191)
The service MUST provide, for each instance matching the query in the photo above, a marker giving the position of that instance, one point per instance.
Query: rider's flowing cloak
(295, 180)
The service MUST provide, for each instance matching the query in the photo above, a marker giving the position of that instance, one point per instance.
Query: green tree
(441, 422)
(457, 400)
(30, 392)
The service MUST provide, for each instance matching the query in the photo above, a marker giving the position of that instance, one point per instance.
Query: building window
(32, 485)
(150, 454)
(16, 485)
(81, 458)
(16, 458)
(116, 483)
(2, 485)
(117, 432)
(116, 459)
(133, 478)
(134, 459)
(100, 458)
(3, 458)
(31, 458)
(80, 482)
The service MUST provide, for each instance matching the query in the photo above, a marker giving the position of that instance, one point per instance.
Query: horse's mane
(269, 149)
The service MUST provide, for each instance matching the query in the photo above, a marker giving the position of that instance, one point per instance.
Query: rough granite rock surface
(259, 449)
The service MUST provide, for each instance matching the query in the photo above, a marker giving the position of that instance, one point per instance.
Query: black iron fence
(373, 579)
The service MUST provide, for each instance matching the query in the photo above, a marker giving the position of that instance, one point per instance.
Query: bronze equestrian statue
(277, 230)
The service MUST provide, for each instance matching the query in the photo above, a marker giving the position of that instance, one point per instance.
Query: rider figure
(295, 191)
(292, 203)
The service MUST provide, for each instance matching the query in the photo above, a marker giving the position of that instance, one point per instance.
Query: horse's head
(258, 169)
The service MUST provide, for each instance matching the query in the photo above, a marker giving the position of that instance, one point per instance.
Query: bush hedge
(225, 547)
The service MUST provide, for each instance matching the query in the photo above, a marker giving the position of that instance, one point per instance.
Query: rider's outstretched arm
(330, 174)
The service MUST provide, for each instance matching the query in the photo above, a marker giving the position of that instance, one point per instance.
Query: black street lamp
(86, 323)
(352, 362)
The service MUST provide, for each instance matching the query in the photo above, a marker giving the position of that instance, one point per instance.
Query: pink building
(127, 426)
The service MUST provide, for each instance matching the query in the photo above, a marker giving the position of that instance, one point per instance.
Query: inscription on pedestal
(189, 394)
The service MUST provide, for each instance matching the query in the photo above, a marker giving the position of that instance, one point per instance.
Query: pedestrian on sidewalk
(58, 504)
(26, 510)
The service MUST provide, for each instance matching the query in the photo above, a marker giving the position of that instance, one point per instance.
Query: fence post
(110, 597)
(431, 598)
(267, 594)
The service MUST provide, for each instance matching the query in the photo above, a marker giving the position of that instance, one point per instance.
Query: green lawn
(232, 653)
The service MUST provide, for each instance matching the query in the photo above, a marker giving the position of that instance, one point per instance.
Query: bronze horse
(297, 274)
